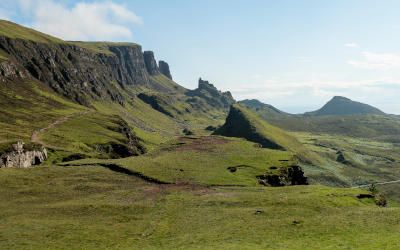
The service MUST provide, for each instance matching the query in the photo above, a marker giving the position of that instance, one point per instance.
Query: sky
(293, 54)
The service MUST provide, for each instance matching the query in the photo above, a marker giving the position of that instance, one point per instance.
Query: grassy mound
(243, 123)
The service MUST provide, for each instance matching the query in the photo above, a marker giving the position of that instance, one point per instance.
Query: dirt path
(35, 137)
(378, 184)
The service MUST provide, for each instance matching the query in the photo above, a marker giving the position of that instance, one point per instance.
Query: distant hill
(256, 104)
(339, 105)
(365, 121)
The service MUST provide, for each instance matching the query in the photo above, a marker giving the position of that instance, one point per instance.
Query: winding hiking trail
(35, 137)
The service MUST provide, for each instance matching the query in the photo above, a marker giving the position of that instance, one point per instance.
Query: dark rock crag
(20, 157)
(131, 145)
(164, 69)
(151, 63)
(285, 176)
(212, 95)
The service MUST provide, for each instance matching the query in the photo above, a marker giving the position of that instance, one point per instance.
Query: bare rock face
(22, 158)
(164, 69)
(151, 64)
(75, 72)
(9, 69)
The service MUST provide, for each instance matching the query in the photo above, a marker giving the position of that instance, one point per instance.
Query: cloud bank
(81, 21)
(377, 61)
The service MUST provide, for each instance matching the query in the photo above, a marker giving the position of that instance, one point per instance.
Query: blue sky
(292, 54)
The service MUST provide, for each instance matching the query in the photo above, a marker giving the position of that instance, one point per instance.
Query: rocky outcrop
(131, 145)
(151, 63)
(212, 95)
(284, 176)
(76, 72)
(164, 69)
(20, 157)
(9, 69)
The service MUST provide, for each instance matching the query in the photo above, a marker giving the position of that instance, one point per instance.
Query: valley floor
(93, 207)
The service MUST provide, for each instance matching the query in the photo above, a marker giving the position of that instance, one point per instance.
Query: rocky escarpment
(23, 157)
(284, 176)
(164, 69)
(212, 95)
(73, 71)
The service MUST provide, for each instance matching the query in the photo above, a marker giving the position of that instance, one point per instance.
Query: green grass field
(93, 207)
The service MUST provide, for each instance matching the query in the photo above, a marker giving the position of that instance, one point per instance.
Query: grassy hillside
(15, 31)
(206, 160)
(28, 106)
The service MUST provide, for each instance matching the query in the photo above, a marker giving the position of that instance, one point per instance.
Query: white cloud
(352, 45)
(82, 21)
(377, 61)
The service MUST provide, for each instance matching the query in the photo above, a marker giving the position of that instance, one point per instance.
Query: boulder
(19, 157)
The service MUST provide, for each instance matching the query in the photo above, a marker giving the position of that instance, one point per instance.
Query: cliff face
(212, 95)
(73, 71)
(151, 63)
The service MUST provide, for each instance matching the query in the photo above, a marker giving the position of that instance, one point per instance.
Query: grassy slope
(15, 31)
(91, 207)
(28, 106)
(205, 160)
(368, 161)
